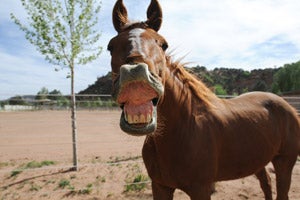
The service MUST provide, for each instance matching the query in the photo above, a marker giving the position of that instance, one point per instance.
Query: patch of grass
(138, 183)
(109, 195)
(35, 164)
(3, 164)
(87, 190)
(64, 183)
(31, 165)
(34, 188)
(48, 182)
(73, 176)
(103, 180)
(16, 172)
(84, 191)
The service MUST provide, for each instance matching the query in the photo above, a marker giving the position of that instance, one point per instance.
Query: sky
(244, 34)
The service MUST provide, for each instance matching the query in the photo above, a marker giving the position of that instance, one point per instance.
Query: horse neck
(176, 96)
(182, 98)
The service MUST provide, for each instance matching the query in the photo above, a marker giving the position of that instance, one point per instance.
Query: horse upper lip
(139, 72)
(154, 101)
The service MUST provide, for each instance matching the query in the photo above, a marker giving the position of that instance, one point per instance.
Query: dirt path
(28, 138)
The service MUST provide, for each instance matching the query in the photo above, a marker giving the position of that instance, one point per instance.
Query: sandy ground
(46, 136)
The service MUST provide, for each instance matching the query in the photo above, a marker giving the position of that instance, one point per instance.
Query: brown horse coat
(193, 137)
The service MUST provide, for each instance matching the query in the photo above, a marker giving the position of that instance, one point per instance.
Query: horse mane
(197, 87)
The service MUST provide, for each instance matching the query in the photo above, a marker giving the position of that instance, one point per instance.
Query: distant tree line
(225, 81)
(229, 81)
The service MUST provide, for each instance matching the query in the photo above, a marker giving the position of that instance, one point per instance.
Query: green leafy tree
(64, 32)
(219, 90)
(287, 78)
(55, 95)
(42, 94)
(58, 97)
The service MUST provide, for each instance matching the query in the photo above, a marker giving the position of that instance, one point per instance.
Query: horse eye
(164, 46)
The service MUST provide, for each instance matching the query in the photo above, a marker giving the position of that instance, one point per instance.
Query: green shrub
(64, 183)
(16, 172)
(138, 183)
(87, 190)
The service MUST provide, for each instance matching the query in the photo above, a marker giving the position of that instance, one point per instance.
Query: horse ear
(154, 14)
(120, 16)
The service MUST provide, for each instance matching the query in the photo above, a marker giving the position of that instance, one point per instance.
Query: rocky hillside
(103, 85)
(233, 81)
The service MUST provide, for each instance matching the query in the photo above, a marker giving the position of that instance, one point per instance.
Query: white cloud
(229, 29)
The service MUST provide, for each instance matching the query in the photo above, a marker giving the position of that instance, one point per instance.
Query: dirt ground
(109, 161)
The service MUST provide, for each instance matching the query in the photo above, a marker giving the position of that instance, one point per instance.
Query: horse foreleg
(161, 192)
(265, 183)
(202, 192)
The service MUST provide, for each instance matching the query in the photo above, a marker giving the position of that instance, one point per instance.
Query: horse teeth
(125, 115)
(130, 121)
(135, 119)
(138, 119)
(142, 119)
(149, 118)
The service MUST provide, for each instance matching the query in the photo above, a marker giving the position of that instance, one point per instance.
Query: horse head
(138, 60)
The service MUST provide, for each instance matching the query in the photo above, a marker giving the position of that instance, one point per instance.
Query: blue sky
(247, 34)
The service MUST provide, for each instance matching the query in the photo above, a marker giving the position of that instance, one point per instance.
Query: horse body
(249, 139)
(194, 138)
(229, 140)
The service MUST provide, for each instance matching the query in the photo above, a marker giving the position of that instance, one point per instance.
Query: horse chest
(177, 164)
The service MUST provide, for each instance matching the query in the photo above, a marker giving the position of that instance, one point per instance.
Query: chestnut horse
(194, 138)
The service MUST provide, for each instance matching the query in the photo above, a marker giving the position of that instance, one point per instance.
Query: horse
(193, 138)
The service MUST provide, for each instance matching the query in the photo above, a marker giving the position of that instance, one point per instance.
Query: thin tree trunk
(74, 125)
(73, 101)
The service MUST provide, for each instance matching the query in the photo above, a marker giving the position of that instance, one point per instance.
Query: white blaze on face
(135, 38)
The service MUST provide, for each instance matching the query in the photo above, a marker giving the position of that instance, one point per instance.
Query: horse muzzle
(138, 92)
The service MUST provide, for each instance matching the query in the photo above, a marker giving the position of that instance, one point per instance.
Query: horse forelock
(133, 25)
